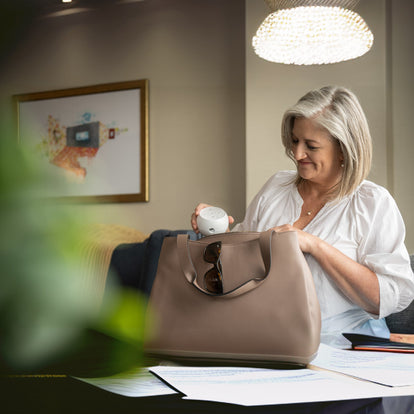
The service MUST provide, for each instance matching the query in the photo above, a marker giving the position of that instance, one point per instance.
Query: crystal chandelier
(312, 32)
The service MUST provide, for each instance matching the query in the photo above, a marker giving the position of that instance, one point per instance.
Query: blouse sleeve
(253, 213)
(382, 250)
(250, 220)
(276, 203)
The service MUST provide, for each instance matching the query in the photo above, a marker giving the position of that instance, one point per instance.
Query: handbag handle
(190, 273)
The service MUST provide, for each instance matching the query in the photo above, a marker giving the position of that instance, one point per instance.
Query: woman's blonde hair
(337, 110)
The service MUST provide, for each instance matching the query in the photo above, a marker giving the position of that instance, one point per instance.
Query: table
(63, 395)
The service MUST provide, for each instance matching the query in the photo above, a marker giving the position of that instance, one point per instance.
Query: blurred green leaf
(46, 310)
(124, 318)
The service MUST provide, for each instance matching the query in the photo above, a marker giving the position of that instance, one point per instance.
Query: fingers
(195, 214)
(194, 223)
(200, 207)
(283, 228)
(306, 240)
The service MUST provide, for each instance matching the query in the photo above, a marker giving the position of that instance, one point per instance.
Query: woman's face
(318, 156)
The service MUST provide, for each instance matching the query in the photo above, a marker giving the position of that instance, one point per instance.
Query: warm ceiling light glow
(308, 35)
(66, 1)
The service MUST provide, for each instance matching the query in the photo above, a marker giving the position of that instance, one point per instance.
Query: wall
(271, 88)
(192, 52)
(215, 107)
(401, 91)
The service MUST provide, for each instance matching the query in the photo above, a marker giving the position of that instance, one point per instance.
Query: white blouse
(366, 226)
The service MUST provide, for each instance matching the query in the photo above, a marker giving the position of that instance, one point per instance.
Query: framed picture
(92, 141)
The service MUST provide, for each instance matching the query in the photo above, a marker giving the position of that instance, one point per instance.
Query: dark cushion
(403, 322)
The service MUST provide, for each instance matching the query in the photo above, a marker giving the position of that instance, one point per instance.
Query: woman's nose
(299, 152)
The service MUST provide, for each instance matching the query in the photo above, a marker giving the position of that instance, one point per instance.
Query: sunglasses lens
(212, 252)
(213, 282)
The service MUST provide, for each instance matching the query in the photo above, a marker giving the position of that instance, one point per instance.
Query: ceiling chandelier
(312, 32)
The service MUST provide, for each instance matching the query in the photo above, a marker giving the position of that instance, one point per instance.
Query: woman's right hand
(196, 213)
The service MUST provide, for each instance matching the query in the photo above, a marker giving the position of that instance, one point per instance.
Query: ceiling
(17, 15)
(52, 6)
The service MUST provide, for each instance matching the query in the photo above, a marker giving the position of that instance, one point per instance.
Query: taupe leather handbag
(234, 298)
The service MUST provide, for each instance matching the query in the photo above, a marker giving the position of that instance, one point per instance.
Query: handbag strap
(190, 273)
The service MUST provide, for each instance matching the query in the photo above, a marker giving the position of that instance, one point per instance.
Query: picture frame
(92, 141)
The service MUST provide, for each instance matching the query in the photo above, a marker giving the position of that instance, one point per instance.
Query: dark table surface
(67, 395)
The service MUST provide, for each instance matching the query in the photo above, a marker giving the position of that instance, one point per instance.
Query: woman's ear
(341, 155)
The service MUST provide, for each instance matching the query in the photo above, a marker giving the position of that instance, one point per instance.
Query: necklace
(314, 210)
(315, 204)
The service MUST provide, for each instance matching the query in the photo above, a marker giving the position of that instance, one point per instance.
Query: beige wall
(401, 119)
(192, 52)
(271, 88)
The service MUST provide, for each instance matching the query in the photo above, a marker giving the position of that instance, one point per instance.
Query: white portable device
(212, 220)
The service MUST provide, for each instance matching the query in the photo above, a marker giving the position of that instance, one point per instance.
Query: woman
(350, 229)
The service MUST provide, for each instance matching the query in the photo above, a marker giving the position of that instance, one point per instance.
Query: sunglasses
(213, 278)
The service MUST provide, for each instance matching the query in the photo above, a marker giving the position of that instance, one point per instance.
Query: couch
(128, 258)
(403, 322)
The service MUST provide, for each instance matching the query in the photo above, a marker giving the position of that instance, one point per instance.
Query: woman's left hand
(356, 281)
(306, 240)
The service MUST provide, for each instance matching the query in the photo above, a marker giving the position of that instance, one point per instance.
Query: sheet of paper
(138, 382)
(387, 368)
(250, 386)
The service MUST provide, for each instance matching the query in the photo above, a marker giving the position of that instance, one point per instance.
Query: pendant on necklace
(309, 213)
